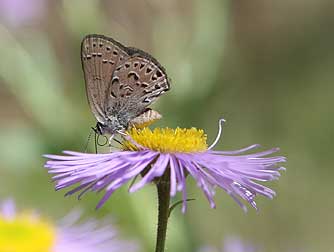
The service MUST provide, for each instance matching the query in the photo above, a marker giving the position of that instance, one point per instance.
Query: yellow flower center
(168, 140)
(27, 233)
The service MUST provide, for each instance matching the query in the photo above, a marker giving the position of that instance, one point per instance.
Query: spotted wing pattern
(100, 56)
(136, 83)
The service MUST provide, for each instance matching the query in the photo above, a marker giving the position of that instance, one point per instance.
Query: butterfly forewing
(100, 56)
(138, 81)
(120, 83)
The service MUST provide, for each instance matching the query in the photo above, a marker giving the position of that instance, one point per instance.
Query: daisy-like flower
(29, 232)
(176, 153)
(20, 12)
(232, 244)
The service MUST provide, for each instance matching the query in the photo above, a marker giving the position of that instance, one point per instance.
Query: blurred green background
(265, 66)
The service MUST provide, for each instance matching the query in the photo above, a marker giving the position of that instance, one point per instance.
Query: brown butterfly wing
(136, 83)
(100, 56)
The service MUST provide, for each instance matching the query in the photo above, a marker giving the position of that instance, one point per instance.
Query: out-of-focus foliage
(265, 66)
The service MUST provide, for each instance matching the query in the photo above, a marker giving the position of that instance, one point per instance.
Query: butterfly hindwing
(138, 82)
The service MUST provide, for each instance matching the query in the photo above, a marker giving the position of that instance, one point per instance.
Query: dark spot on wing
(112, 94)
(134, 75)
(114, 81)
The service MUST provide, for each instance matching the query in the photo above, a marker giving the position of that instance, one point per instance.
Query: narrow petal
(173, 178)
(157, 169)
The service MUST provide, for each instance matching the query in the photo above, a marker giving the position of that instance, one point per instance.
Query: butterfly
(121, 82)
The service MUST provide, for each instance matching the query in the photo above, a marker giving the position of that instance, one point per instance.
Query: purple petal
(157, 170)
(235, 172)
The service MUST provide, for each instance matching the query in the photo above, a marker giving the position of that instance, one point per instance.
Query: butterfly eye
(99, 128)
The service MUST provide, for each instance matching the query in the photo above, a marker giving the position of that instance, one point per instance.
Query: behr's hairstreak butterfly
(121, 82)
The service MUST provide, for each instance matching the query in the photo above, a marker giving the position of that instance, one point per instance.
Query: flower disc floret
(168, 140)
(29, 232)
(26, 232)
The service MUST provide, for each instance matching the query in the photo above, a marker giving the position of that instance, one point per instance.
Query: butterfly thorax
(111, 126)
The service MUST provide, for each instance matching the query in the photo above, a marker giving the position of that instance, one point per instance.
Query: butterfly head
(110, 127)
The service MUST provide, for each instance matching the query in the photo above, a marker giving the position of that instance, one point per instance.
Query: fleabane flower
(176, 153)
(233, 244)
(29, 232)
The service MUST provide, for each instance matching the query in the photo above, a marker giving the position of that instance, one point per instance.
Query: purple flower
(27, 231)
(176, 152)
(19, 12)
(235, 244)
(232, 244)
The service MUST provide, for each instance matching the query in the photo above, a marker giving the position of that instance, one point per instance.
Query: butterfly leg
(110, 139)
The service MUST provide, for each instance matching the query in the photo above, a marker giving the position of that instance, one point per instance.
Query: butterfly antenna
(118, 141)
(109, 141)
(96, 140)
(88, 139)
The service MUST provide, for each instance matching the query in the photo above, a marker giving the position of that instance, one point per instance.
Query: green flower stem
(163, 187)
